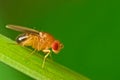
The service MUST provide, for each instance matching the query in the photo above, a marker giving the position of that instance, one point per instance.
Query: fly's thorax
(50, 42)
(46, 38)
(44, 41)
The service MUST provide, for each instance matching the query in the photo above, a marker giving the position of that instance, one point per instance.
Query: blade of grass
(14, 56)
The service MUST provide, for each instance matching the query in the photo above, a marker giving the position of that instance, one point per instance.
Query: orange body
(40, 41)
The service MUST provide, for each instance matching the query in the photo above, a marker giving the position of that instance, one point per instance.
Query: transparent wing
(21, 29)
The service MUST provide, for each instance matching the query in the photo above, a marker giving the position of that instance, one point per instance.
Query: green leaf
(14, 56)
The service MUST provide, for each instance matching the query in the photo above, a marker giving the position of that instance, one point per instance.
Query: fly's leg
(30, 54)
(47, 54)
(33, 43)
(51, 56)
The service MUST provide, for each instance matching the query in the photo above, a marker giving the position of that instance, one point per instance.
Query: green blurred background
(89, 30)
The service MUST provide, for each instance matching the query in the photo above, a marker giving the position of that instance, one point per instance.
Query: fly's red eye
(55, 46)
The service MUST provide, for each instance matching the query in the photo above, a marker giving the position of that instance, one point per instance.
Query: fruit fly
(39, 41)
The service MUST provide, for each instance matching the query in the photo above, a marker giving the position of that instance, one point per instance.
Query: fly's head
(57, 46)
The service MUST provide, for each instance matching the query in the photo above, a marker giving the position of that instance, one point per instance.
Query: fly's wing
(22, 29)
